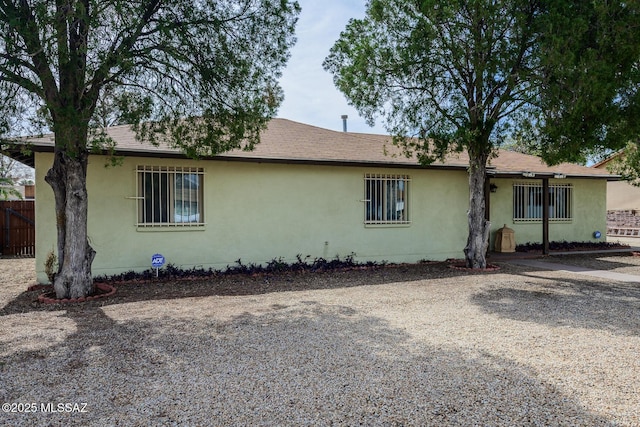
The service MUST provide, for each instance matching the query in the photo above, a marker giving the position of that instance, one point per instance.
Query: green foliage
(7, 190)
(521, 145)
(626, 163)
(50, 266)
(11, 172)
(561, 75)
(447, 74)
(587, 80)
(201, 76)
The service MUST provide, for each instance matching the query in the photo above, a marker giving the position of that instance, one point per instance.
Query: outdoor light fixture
(559, 176)
(493, 188)
(528, 174)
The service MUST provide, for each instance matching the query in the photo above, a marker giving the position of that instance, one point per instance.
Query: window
(169, 196)
(527, 202)
(386, 199)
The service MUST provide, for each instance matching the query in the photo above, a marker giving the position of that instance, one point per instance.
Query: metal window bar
(527, 202)
(170, 196)
(386, 199)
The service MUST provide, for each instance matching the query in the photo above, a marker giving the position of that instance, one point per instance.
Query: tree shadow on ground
(242, 284)
(296, 363)
(601, 262)
(574, 302)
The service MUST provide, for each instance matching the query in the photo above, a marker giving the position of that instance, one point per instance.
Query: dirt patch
(17, 278)
(20, 299)
(102, 290)
(405, 345)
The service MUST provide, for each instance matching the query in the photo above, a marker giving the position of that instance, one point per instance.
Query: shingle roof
(293, 142)
(605, 162)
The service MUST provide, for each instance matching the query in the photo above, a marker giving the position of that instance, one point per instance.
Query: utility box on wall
(505, 240)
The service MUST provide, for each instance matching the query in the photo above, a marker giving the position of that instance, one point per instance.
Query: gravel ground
(620, 263)
(410, 345)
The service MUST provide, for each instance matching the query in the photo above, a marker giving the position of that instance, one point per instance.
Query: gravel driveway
(404, 346)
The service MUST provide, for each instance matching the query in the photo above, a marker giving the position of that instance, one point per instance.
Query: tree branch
(22, 21)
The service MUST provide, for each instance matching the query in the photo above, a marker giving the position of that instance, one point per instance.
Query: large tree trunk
(68, 178)
(478, 240)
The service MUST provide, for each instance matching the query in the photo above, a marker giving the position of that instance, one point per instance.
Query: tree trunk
(478, 239)
(68, 177)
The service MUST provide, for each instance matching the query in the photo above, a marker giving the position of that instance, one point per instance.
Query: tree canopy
(200, 75)
(447, 76)
(164, 63)
(626, 163)
(587, 80)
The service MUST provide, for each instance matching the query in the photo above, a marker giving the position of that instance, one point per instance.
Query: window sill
(388, 225)
(539, 221)
(171, 228)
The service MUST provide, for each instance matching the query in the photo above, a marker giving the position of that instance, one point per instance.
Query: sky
(310, 95)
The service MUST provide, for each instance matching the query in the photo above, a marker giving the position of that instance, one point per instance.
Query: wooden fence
(17, 228)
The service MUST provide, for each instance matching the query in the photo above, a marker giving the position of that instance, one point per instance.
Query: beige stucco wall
(589, 213)
(257, 212)
(622, 196)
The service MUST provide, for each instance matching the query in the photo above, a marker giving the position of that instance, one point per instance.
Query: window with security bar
(386, 199)
(528, 201)
(170, 196)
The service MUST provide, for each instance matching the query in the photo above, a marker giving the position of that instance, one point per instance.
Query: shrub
(568, 246)
(276, 265)
(50, 266)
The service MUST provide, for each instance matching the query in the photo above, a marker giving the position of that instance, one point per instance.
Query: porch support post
(7, 228)
(545, 216)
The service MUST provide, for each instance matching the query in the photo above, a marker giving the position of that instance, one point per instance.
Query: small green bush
(51, 265)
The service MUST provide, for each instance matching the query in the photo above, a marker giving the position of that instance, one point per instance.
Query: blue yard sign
(157, 261)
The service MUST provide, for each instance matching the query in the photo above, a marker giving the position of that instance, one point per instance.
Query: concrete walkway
(603, 274)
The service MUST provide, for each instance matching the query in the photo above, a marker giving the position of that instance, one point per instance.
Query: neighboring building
(621, 196)
(20, 192)
(309, 191)
(623, 204)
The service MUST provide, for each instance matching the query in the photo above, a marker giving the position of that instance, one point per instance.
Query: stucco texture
(260, 211)
(622, 196)
(589, 212)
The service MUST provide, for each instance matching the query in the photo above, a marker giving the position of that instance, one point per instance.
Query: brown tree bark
(67, 177)
(478, 239)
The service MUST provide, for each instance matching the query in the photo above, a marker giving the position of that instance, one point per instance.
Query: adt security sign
(157, 261)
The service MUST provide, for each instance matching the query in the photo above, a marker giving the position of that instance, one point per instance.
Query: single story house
(309, 191)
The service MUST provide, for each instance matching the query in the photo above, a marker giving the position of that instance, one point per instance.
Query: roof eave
(172, 154)
(48, 148)
(540, 175)
(608, 159)
(296, 161)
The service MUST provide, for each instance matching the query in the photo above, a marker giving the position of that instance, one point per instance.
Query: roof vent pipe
(344, 118)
